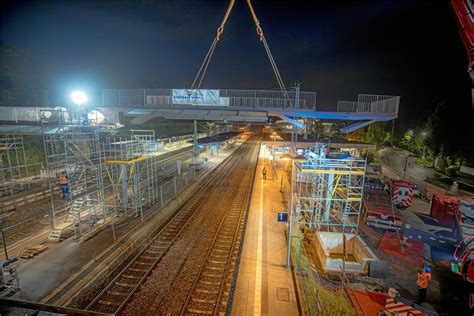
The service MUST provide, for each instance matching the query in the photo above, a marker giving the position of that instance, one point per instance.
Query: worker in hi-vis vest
(424, 277)
(64, 182)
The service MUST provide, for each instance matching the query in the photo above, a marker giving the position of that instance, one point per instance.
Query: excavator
(463, 11)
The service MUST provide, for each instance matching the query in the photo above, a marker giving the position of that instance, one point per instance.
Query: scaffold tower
(328, 193)
(72, 149)
(132, 169)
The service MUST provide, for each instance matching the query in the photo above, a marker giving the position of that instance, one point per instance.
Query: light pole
(423, 134)
(273, 136)
(290, 228)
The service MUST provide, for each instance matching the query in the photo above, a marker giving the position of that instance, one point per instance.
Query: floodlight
(79, 97)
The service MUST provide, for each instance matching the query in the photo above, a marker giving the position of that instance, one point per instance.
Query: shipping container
(401, 192)
(379, 211)
(443, 208)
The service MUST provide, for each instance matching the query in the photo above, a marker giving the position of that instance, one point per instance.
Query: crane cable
(220, 30)
(269, 53)
(202, 70)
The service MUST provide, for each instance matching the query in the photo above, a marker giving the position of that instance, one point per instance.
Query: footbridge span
(231, 105)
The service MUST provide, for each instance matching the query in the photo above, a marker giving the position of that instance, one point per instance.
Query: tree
(358, 135)
(407, 139)
(376, 133)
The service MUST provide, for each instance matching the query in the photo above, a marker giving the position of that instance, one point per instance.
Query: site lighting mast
(79, 98)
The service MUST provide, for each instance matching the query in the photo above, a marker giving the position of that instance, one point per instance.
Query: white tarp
(198, 97)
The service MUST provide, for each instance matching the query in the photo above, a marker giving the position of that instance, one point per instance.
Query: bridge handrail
(371, 103)
(238, 98)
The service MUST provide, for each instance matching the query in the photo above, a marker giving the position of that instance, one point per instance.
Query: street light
(423, 134)
(79, 97)
(290, 228)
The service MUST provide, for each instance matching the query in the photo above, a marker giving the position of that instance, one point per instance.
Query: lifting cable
(202, 70)
(269, 53)
(220, 30)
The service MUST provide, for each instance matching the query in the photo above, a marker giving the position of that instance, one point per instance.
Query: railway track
(117, 293)
(209, 293)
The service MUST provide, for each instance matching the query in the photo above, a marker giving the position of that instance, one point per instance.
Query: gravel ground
(173, 276)
(166, 289)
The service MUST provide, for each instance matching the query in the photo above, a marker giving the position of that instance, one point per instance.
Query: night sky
(337, 48)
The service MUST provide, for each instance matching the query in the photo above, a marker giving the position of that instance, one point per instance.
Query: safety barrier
(371, 103)
(233, 97)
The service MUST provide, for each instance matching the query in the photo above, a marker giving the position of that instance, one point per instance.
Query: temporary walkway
(264, 284)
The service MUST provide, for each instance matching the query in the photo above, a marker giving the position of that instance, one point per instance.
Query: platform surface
(264, 284)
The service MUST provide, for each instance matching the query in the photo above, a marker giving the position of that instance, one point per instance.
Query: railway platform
(264, 284)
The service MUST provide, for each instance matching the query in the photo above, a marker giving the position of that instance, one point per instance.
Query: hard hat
(427, 269)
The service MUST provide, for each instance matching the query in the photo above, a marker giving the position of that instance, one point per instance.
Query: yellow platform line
(257, 309)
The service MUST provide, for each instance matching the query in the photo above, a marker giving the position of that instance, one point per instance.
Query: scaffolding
(328, 193)
(13, 165)
(133, 171)
(73, 150)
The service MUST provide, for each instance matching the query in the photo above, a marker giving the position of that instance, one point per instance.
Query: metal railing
(235, 98)
(370, 103)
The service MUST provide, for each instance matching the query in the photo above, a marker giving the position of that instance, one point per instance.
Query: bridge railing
(233, 97)
(370, 103)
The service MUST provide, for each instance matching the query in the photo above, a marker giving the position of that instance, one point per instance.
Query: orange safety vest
(63, 179)
(423, 279)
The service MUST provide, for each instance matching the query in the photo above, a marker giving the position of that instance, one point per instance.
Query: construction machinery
(9, 282)
(401, 192)
(463, 11)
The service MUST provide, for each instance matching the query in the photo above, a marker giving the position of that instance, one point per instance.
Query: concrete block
(377, 269)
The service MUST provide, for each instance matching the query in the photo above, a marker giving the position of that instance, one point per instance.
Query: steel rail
(193, 205)
(234, 216)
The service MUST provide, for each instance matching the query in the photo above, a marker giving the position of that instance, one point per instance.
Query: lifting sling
(220, 30)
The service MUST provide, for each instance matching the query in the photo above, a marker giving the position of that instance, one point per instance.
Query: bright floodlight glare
(79, 97)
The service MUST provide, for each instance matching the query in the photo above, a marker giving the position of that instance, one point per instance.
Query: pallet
(30, 252)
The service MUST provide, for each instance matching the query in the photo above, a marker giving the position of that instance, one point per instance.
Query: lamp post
(273, 136)
(423, 134)
(290, 228)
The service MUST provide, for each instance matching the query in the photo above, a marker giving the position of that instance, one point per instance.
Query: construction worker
(264, 173)
(424, 277)
(64, 182)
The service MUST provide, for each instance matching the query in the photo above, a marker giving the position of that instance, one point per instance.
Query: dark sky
(337, 48)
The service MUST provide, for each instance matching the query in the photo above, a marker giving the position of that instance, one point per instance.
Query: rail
(116, 294)
(206, 293)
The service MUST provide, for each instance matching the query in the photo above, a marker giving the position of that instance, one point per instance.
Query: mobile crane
(463, 11)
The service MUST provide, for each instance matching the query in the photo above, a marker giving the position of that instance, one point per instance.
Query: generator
(9, 282)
